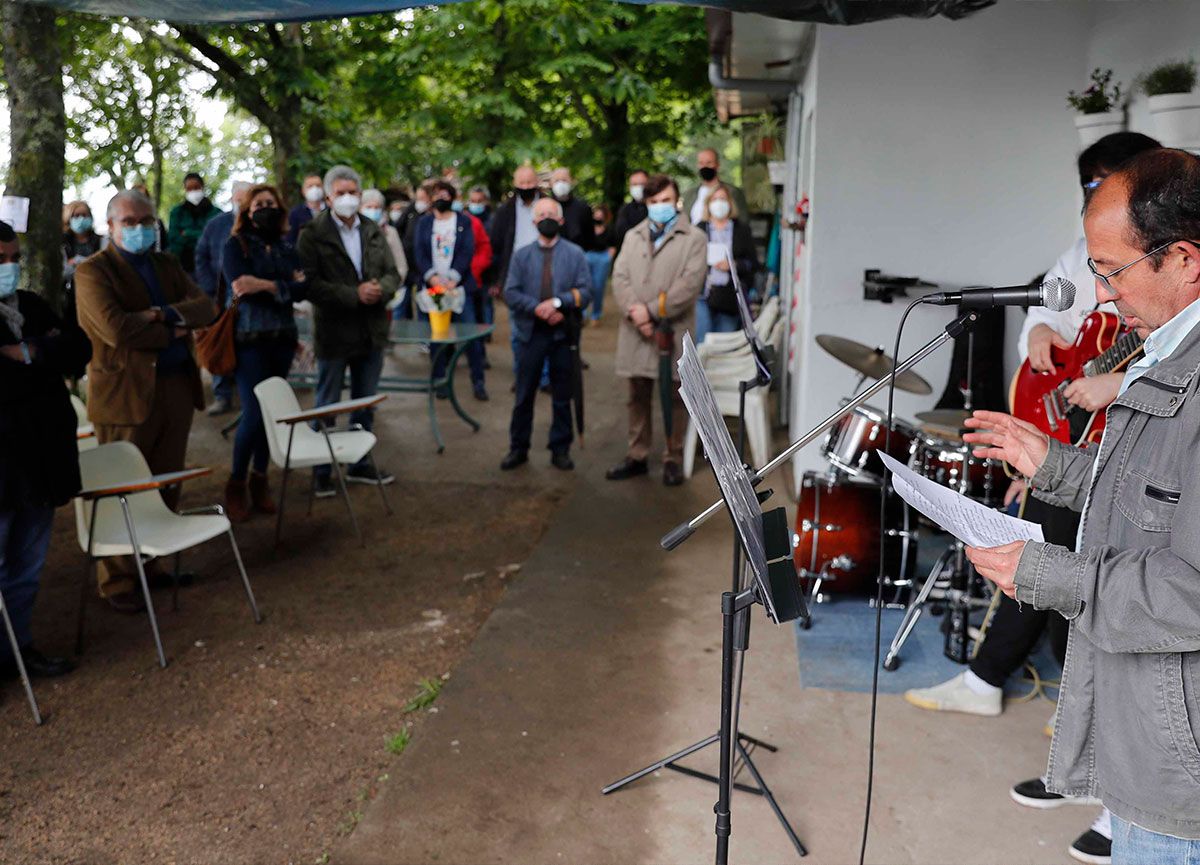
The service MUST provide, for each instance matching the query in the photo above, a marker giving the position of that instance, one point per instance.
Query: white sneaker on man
(957, 695)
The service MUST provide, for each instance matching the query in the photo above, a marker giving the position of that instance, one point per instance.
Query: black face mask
(266, 221)
(441, 205)
(526, 195)
(597, 221)
(707, 174)
(548, 227)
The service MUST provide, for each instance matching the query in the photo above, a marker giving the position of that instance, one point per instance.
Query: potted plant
(440, 302)
(1173, 105)
(1099, 109)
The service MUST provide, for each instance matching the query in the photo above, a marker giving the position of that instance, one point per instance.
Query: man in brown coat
(656, 279)
(137, 306)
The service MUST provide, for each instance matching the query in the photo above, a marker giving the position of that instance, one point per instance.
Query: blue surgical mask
(81, 224)
(477, 207)
(375, 214)
(456, 206)
(661, 212)
(137, 239)
(10, 274)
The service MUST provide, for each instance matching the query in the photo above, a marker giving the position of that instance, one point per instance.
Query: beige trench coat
(679, 267)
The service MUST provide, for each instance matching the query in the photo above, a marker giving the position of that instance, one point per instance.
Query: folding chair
(20, 662)
(120, 512)
(294, 444)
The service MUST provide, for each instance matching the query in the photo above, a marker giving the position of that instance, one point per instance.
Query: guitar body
(1037, 397)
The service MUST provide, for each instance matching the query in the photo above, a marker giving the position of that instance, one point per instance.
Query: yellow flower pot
(439, 323)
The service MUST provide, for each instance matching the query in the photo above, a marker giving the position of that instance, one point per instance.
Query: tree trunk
(285, 143)
(497, 177)
(615, 152)
(38, 127)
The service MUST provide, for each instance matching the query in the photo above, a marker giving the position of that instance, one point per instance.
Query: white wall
(943, 149)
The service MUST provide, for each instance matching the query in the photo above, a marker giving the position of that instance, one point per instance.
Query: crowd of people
(353, 259)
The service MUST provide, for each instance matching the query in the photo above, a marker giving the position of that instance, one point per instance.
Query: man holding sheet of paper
(1128, 718)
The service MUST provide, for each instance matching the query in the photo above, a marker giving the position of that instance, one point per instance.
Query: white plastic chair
(85, 432)
(294, 444)
(121, 512)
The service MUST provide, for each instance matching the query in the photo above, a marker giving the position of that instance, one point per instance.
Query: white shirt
(443, 237)
(1071, 265)
(702, 195)
(351, 241)
(526, 232)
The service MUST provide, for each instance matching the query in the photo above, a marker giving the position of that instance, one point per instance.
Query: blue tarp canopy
(242, 11)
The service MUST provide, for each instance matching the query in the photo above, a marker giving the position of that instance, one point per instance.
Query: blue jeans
(441, 354)
(708, 321)
(1133, 845)
(598, 264)
(364, 381)
(24, 542)
(223, 387)
(256, 362)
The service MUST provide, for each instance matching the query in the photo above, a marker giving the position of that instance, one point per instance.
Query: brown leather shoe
(260, 494)
(127, 602)
(672, 474)
(237, 504)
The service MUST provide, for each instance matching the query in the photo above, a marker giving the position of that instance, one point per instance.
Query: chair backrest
(276, 399)
(81, 418)
(767, 316)
(109, 465)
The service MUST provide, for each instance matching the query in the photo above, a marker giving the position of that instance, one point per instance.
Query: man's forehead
(1106, 222)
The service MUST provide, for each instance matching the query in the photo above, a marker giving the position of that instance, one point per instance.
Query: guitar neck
(1116, 356)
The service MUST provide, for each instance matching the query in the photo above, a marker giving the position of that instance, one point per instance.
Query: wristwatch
(558, 303)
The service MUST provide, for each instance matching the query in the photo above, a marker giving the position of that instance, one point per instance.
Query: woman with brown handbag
(263, 273)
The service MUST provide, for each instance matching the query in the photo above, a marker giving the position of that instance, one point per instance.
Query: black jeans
(542, 345)
(1015, 629)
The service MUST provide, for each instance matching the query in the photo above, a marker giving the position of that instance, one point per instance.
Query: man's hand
(13, 352)
(1016, 488)
(723, 264)
(1001, 436)
(1094, 393)
(646, 329)
(544, 310)
(1041, 339)
(639, 315)
(151, 315)
(369, 292)
(999, 564)
(555, 318)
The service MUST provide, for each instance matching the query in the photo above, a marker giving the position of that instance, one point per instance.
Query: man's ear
(1190, 262)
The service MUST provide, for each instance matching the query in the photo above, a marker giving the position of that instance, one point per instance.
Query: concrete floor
(605, 654)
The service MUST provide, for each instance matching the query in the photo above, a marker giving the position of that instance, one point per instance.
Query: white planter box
(1177, 119)
(1093, 127)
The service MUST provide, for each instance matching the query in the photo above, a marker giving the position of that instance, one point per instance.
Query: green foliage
(430, 688)
(396, 744)
(1176, 76)
(1100, 96)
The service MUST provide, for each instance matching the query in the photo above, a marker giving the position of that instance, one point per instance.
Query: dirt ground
(262, 744)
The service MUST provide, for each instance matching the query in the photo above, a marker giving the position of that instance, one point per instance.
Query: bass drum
(837, 536)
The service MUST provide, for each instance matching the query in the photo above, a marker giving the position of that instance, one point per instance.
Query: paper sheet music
(972, 523)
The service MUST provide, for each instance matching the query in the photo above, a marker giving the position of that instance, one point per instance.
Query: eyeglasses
(1092, 184)
(1105, 277)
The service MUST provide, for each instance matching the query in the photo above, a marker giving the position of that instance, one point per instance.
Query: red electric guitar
(1103, 345)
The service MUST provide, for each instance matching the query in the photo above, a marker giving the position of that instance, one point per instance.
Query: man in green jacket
(187, 222)
(351, 277)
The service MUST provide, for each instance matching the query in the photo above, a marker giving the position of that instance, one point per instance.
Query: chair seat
(159, 533)
(309, 447)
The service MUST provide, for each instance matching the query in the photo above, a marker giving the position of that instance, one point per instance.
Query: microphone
(1055, 294)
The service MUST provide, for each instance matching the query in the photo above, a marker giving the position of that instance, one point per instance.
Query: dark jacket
(343, 326)
(209, 251)
(571, 282)
(298, 217)
(264, 314)
(187, 224)
(39, 462)
(464, 251)
(630, 214)
(745, 254)
(577, 223)
(503, 232)
(406, 227)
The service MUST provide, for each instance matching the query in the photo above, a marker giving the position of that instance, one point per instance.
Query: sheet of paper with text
(972, 523)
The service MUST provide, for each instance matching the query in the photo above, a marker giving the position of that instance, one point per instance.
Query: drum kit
(837, 541)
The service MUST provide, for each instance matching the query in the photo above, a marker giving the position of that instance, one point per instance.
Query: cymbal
(871, 362)
(948, 418)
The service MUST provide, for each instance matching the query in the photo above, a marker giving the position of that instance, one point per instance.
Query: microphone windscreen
(1058, 294)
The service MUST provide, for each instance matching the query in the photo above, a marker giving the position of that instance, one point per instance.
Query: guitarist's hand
(1002, 436)
(1041, 339)
(1094, 393)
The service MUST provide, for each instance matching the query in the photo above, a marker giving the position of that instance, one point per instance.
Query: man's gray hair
(131, 195)
(370, 195)
(558, 208)
(480, 188)
(240, 186)
(340, 172)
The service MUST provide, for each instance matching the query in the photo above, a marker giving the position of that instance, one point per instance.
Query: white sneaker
(956, 696)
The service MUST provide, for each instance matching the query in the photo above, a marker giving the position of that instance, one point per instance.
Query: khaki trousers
(163, 440)
(645, 403)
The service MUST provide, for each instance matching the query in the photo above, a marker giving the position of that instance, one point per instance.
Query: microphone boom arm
(956, 328)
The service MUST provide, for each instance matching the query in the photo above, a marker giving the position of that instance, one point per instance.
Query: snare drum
(853, 442)
(942, 462)
(837, 535)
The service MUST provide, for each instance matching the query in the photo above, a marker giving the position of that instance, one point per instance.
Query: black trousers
(543, 344)
(1015, 630)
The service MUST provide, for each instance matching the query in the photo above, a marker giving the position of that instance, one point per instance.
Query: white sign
(15, 211)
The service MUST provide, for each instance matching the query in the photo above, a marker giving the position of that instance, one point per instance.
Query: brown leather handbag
(215, 343)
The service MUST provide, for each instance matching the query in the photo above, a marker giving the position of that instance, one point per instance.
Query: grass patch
(430, 688)
(399, 742)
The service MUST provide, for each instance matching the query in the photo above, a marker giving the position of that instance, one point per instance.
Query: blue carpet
(836, 653)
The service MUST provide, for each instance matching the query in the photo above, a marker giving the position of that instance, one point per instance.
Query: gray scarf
(11, 315)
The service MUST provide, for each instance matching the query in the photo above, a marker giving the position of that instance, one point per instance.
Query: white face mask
(421, 206)
(719, 208)
(636, 191)
(346, 205)
(561, 188)
(194, 196)
(314, 194)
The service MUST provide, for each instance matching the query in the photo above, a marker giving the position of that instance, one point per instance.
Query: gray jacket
(1128, 717)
